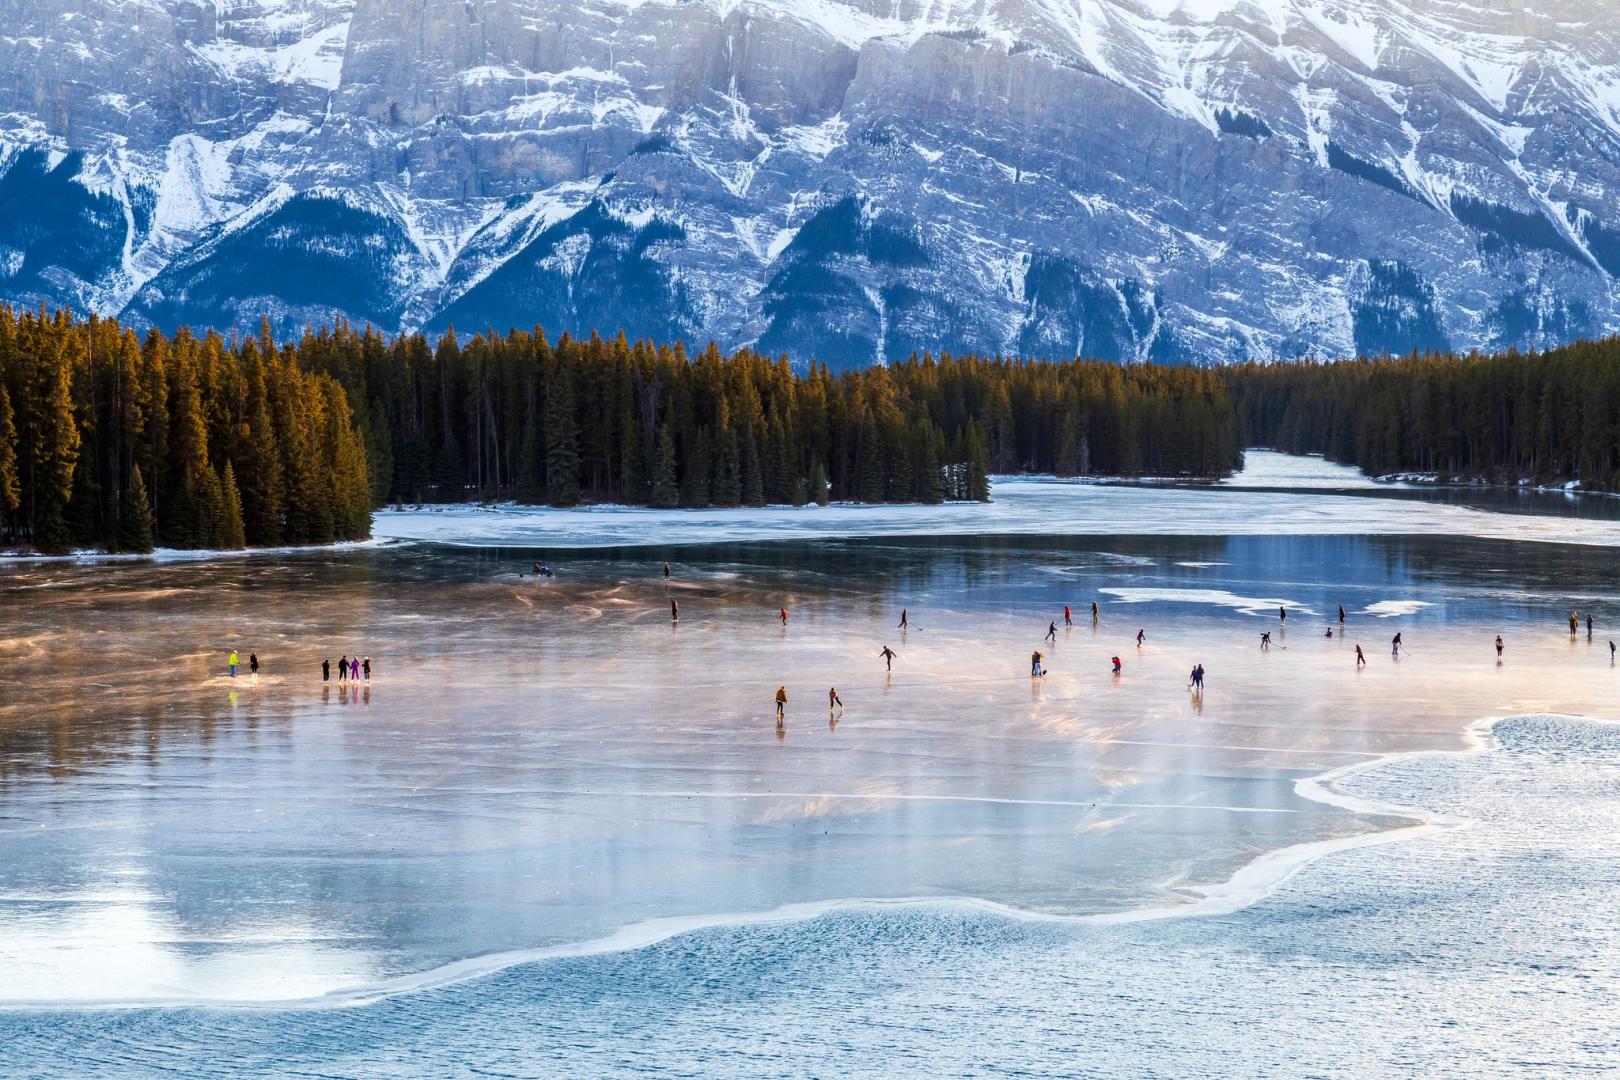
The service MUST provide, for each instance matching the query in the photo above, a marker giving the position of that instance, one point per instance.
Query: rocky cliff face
(846, 180)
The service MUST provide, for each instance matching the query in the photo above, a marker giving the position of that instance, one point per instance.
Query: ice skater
(1141, 636)
(253, 665)
(1051, 632)
(1035, 668)
(1265, 641)
(905, 619)
(888, 655)
(1574, 621)
(1118, 667)
(1588, 626)
(1395, 645)
(1361, 657)
(365, 666)
(1611, 652)
(1094, 613)
(783, 615)
(1330, 631)
(326, 669)
(781, 705)
(343, 668)
(1282, 614)
(833, 700)
(232, 661)
(1341, 614)
(1068, 617)
(666, 571)
(354, 669)
(1499, 646)
(674, 611)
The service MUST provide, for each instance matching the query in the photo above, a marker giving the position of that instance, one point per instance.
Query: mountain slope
(849, 180)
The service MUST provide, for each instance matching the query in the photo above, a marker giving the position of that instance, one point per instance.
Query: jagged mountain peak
(848, 180)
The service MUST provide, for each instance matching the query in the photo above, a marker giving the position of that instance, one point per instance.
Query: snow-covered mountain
(849, 180)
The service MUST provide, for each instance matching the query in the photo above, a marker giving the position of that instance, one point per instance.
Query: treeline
(1551, 417)
(516, 416)
(116, 441)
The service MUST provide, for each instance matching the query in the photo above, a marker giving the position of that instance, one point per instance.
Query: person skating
(888, 655)
(1611, 652)
(1395, 645)
(326, 669)
(666, 570)
(1588, 626)
(365, 666)
(905, 619)
(1282, 614)
(1330, 631)
(232, 661)
(1499, 646)
(833, 700)
(674, 611)
(1265, 641)
(1141, 636)
(782, 614)
(1341, 613)
(1198, 677)
(1361, 658)
(1035, 669)
(1574, 621)
(1068, 616)
(354, 669)
(781, 703)
(343, 668)
(1117, 665)
(1051, 632)
(1094, 612)
(253, 665)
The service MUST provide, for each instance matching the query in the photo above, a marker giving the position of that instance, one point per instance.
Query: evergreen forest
(121, 440)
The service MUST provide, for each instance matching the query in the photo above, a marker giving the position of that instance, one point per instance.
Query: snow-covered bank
(189, 554)
(1028, 506)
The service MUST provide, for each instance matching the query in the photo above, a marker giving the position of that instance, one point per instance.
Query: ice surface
(1430, 956)
(539, 763)
(550, 770)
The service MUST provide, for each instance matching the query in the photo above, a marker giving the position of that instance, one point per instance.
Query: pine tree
(695, 483)
(562, 444)
(55, 446)
(978, 465)
(10, 482)
(232, 536)
(135, 517)
(753, 473)
(665, 491)
(818, 483)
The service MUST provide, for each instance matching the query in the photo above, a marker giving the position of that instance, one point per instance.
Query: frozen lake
(544, 769)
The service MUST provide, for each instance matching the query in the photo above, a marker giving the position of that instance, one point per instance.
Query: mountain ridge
(843, 180)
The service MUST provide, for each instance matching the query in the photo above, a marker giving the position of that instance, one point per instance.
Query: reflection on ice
(1488, 950)
(539, 762)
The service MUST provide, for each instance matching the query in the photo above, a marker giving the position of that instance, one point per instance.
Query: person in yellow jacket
(233, 663)
(781, 703)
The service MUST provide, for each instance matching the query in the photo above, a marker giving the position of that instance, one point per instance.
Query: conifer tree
(55, 445)
(665, 491)
(232, 535)
(10, 481)
(562, 444)
(135, 517)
